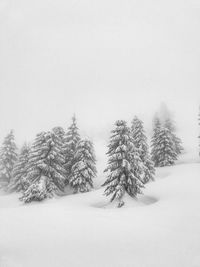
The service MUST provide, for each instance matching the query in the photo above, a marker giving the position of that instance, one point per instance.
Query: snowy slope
(162, 228)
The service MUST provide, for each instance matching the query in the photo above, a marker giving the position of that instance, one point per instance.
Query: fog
(102, 60)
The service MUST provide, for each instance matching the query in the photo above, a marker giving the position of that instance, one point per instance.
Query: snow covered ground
(162, 228)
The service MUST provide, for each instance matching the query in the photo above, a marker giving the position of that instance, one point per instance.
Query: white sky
(103, 60)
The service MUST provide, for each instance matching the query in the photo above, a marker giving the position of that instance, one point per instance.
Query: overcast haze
(103, 60)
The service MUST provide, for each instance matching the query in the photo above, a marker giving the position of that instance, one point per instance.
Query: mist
(103, 61)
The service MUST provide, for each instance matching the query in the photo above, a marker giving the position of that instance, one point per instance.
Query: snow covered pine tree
(8, 157)
(83, 170)
(45, 172)
(124, 165)
(140, 142)
(71, 139)
(18, 181)
(163, 150)
(155, 141)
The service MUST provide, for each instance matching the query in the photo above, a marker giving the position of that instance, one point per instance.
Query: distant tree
(84, 170)
(140, 142)
(125, 168)
(18, 181)
(169, 124)
(164, 113)
(8, 157)
(71, 140)
(45, 170)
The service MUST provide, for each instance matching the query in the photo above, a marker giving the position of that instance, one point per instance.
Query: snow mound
(129, 202)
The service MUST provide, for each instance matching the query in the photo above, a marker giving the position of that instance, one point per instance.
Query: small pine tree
(8, 157)
(84, 170)
(18, 181)
(124, 165)
(140, 142)
(45, 170)
(71, 140)
(164, 151)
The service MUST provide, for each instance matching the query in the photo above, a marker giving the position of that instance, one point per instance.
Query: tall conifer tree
(45, 172)
(125, 168)
(163, 151)
(140, 141)
(155, 141)
(71, 140)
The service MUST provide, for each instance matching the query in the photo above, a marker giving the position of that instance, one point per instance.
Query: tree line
(59, 159)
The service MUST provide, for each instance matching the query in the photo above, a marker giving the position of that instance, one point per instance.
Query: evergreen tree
(140, 142)
(60, 133)
(45, 172)
(176, 140)
(71, 139)
(124, 165)
(84, 170)
(8, 157)
(163, 149)
(18, 181)
(155, 151)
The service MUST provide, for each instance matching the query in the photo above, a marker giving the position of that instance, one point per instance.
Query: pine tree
(71, 139)
(8, 157)
(140, 142)
(176, 140)
(124, 165)
(84, 170)
(155, 151)
(18, 181)
(45, 172)
(163, 149)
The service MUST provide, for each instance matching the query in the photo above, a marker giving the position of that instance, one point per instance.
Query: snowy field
(161, 228)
